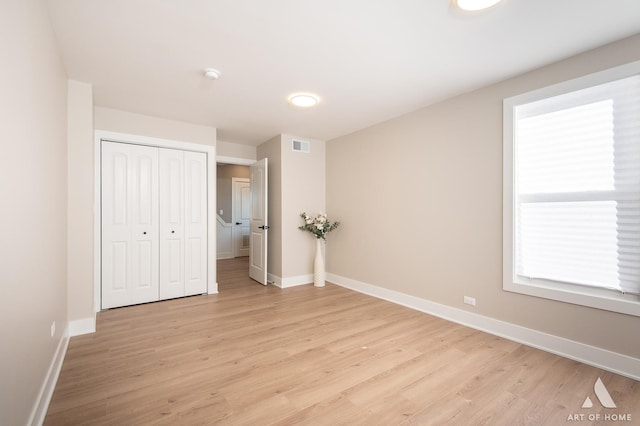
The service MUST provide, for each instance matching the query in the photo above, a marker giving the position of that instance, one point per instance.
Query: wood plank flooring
(255, 355)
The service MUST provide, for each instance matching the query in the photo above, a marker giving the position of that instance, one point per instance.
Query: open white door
(259, 227)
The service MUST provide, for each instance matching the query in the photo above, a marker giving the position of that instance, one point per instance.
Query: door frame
(209, 150)
(234, 249)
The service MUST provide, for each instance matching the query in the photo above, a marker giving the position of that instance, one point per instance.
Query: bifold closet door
(171, 223)
(195, 224)
(183, 223)
(130, 240)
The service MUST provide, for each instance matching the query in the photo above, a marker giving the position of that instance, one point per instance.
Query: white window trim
(575, 294)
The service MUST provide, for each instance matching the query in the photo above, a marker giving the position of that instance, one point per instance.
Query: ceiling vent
(300, 146)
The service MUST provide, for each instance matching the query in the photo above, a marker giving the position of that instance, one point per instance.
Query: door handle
(265, 227)
(238, 223)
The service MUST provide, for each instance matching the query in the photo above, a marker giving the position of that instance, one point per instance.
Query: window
(572, 191)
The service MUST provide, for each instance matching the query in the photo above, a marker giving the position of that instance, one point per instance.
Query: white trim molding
(290, 281)
(274, 279)
(40, 407)
(591, 355)
(297, 280)
(82, 326)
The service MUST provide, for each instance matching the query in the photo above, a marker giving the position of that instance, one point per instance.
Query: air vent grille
(300, 146)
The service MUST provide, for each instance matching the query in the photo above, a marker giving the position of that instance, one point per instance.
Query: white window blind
(577, 187)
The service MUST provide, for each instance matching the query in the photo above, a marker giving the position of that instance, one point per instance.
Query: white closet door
(130, 246)
(171, 223)
(195, 227)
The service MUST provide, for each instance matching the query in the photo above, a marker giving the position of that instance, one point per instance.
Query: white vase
(318, 265)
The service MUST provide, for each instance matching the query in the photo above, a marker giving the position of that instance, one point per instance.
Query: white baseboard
(290, 281)
(591, 355)
(82, 326)
(41, 405)
(295, 281)
(274, 279)
(222, 256)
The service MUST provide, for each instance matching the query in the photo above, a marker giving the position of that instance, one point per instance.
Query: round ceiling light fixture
(303, 100)
(212, 73)
(475, 5)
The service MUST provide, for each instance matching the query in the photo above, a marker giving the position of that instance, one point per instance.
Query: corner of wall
(82, 326)
(80, 190)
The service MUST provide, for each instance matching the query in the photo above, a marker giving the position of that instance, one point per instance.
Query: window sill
(578, 295)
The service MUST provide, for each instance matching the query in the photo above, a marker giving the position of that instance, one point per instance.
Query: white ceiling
(369, 60)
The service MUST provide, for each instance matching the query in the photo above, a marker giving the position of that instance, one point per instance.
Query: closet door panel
(116, 243)
(129, 224)
(144, 203)
(154, 224)
(172, 283)
(195, 223)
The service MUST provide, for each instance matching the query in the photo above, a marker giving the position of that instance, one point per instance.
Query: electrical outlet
(53, 329)
(470, 300)
(221, 212)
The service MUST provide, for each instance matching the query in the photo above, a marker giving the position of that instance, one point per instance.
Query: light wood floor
(255, 355)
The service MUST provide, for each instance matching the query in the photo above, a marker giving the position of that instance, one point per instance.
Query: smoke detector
(212, 73)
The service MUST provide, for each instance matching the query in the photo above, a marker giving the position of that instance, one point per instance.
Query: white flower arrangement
(319, 225)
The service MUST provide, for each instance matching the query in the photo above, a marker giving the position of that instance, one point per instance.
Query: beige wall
(303, 190)
(296, 185)
(420, 198)
(225, 187)
(272, 149)
(234, 150)
(80, 175)
(114, 120)
(33, 189)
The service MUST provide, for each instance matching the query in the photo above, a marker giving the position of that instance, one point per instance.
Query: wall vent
(300, 146)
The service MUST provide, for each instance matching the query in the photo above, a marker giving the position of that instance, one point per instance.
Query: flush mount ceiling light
(212, 73)
(303, 100)
(474, 5)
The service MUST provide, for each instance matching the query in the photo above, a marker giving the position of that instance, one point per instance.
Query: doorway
(241, 222)
(229, 205)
